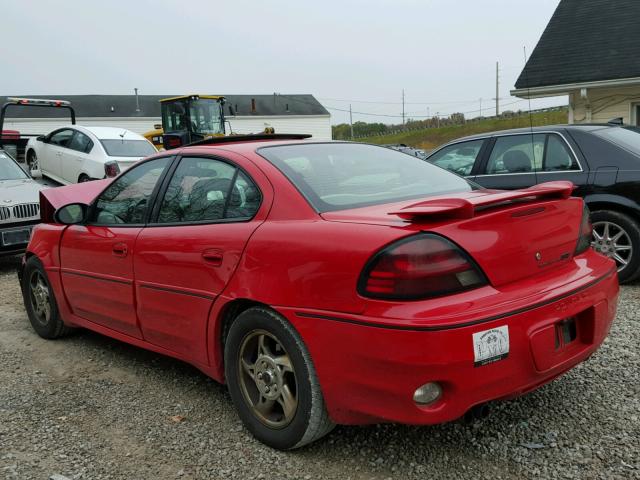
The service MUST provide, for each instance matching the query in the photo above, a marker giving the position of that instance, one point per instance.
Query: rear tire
(40, 302)
(272, 381)
(617, 236)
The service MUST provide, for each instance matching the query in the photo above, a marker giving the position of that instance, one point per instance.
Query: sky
(359, 52)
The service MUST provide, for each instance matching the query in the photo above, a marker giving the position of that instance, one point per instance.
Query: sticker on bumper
(490, 345)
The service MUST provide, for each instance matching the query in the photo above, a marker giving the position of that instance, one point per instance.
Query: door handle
(119, 250)
(212, 257)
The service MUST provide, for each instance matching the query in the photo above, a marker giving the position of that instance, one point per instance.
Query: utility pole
(481, 107)
(137, 103)
(351, 121)
(438, 118)
(403, 106)
(497, 89)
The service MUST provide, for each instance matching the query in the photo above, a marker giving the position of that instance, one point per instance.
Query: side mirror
(40, 138)
(71, 214)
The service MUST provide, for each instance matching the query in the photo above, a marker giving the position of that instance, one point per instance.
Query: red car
(326, 283)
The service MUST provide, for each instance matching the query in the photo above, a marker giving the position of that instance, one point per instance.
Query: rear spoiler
(467, 207)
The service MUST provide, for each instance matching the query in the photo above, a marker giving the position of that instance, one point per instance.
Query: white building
(589, 51)
(285, 113)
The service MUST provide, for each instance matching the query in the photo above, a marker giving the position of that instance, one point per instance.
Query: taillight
(417, 267)
(111, 169)
(586, 232)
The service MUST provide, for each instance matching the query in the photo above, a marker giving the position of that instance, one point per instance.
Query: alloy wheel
(33, 162)
(39, 297)
(613, 241)
(267, 379)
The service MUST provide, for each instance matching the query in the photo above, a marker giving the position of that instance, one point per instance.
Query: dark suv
(603, 161)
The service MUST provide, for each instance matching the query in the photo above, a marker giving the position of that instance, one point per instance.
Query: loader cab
(191, 118)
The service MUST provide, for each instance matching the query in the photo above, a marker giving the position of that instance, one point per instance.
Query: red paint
(165, 288)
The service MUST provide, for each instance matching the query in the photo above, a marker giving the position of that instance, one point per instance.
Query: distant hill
(430, 138)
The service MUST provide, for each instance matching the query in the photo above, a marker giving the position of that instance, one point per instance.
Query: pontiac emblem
(538, 256)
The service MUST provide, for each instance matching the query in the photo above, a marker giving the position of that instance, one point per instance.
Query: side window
(127, 199)
(62, 138)
(458, 158)
(558, 157)
(516, 154)
(81, 143)
(205, 189)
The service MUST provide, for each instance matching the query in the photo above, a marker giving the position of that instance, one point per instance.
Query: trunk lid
(511, 235)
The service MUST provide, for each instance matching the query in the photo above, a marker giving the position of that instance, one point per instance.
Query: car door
(97, 258)
(462, 158)
(77, 154)
(523, 160)
(186, 256)
(54, 150)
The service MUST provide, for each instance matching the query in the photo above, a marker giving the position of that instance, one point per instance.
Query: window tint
(517, 154)
(81, 143)
(128, 148)
(61, 138)
(458, 158)
(127, 199)
(557, 156)
(337, 176)
(205, 189)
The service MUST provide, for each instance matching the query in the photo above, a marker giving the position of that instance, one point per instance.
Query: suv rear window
(339, 176)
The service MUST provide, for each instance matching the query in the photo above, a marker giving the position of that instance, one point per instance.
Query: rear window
(128, 148)
(339, 176)
(625, 137)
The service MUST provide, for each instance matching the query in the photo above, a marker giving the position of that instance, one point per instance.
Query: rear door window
(557, 156)
(516, 154)
(459, 158)
(81, 143)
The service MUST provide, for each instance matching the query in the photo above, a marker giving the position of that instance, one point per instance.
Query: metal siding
(317, 125)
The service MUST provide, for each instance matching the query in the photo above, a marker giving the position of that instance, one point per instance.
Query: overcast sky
(363, 52)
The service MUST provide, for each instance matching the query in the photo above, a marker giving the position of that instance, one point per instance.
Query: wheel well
(29, 152)
(231, 311)
(634, 214)
(82, 175)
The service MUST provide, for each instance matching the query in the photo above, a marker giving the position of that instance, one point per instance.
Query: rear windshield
(128, 148)
(625, 137)
(10, 170)
(339, 176)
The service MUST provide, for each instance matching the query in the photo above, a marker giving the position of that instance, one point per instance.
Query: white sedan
(77, 154)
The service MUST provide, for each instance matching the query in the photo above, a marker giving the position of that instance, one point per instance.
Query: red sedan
(326, 283)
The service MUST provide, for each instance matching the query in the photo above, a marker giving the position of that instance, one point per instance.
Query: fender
(600, 198)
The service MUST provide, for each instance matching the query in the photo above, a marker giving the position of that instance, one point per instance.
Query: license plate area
(16, 237)
(566, 332)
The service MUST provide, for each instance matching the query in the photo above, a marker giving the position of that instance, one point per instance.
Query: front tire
(272, 381)
(617, 236)
(40, 302)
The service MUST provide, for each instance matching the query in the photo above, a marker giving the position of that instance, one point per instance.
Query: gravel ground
(93, 408)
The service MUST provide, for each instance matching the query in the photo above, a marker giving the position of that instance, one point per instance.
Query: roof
(111, 133)
(118, 106)
(542, 128)
(586, 41)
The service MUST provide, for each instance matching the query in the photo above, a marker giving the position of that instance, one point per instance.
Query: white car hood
(13, 192)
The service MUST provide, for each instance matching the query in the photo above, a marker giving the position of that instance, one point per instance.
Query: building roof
(586, 41)
(125, 106)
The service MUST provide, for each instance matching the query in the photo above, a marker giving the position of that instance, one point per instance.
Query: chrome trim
(573, 152)
(19, 213)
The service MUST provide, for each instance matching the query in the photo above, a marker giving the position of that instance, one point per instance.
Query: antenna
(533, 151)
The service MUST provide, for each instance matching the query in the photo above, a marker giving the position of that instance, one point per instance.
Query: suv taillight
(417, 267)
(111, 169)
(586, 232)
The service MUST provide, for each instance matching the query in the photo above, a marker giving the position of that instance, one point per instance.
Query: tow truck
(12, 142)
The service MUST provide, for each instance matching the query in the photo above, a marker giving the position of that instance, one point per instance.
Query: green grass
(430, 138)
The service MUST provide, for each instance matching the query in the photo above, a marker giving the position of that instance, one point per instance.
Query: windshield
(339, 176)
(206, 116)
(10, 170)
(625, 137)
(128, 148)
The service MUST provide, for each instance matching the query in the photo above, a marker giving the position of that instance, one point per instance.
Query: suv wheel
(617, 236)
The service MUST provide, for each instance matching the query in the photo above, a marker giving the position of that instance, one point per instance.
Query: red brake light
(111, 169)
(586, 232)
(421, 266)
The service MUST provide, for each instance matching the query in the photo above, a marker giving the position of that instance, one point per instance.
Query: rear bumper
(369, 371)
